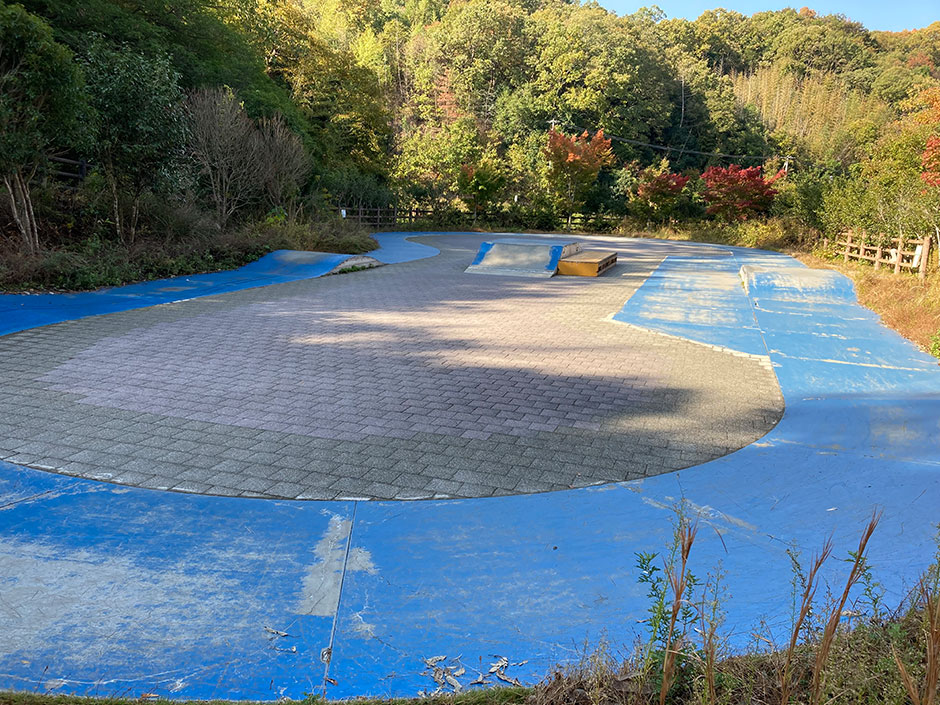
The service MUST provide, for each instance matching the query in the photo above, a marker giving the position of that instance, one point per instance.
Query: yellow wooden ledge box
(588, 263)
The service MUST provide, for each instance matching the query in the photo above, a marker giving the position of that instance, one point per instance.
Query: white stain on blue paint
(48, 594)
(323, 580)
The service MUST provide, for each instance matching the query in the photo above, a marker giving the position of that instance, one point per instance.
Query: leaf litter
(446, 674)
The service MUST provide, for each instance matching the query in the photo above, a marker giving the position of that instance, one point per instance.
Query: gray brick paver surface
(413, 380)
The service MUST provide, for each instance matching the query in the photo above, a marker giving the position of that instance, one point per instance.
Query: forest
(144, 138)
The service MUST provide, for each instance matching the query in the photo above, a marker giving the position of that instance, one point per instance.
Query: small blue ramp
(522, 257)
(796, 283)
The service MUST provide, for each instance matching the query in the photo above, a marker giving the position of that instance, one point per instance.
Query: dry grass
(845, 660)
(836, 612)
(930, 602)
(677, 580)
(806, 605)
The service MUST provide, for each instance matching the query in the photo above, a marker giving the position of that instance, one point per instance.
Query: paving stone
(290, 490)
(131, 478)
(445, 486)
(192, 487)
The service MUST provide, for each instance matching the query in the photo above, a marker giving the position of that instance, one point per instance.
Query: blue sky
(891, 15)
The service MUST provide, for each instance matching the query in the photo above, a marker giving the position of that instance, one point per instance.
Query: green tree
(590, 68)
(886, 194)
(430, 160)
(829, 44)
(482, 46)
(344, 105)
(141, 125)
(42, 107)
(478, 184)
(202, 49)
(719, 39)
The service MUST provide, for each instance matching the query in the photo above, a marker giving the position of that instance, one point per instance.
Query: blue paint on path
(147, 591)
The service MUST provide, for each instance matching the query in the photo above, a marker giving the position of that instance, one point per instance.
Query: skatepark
(273, 482)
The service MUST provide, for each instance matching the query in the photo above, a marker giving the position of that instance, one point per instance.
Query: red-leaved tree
(736, 193)
(573, 165)
(930, 161)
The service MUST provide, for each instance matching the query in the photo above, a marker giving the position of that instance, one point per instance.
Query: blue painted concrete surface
(150, 592)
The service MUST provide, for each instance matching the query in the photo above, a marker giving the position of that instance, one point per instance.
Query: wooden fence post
(925, 256)
(900, 251)
(878, 257)
(848, 243)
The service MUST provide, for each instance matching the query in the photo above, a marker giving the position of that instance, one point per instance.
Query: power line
(664, 148)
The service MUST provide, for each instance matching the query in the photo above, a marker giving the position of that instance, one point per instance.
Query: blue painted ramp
(112, 590)
(522, 257)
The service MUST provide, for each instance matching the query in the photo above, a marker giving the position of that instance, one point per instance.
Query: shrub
(800, 196)
(96, 261)
(241, 164)
(478, 184)
(225, 148)
(284, 164)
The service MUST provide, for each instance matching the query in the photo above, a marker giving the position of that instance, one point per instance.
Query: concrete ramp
(522, 257)
(794, 283)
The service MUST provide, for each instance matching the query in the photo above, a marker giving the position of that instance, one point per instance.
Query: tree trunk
(116, 205)
(135, 212)
(21, 205)
(30, 213)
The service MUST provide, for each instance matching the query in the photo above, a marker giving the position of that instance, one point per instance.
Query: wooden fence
(393, 217)
(893, 252)
(385, 217)
(79, 169)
